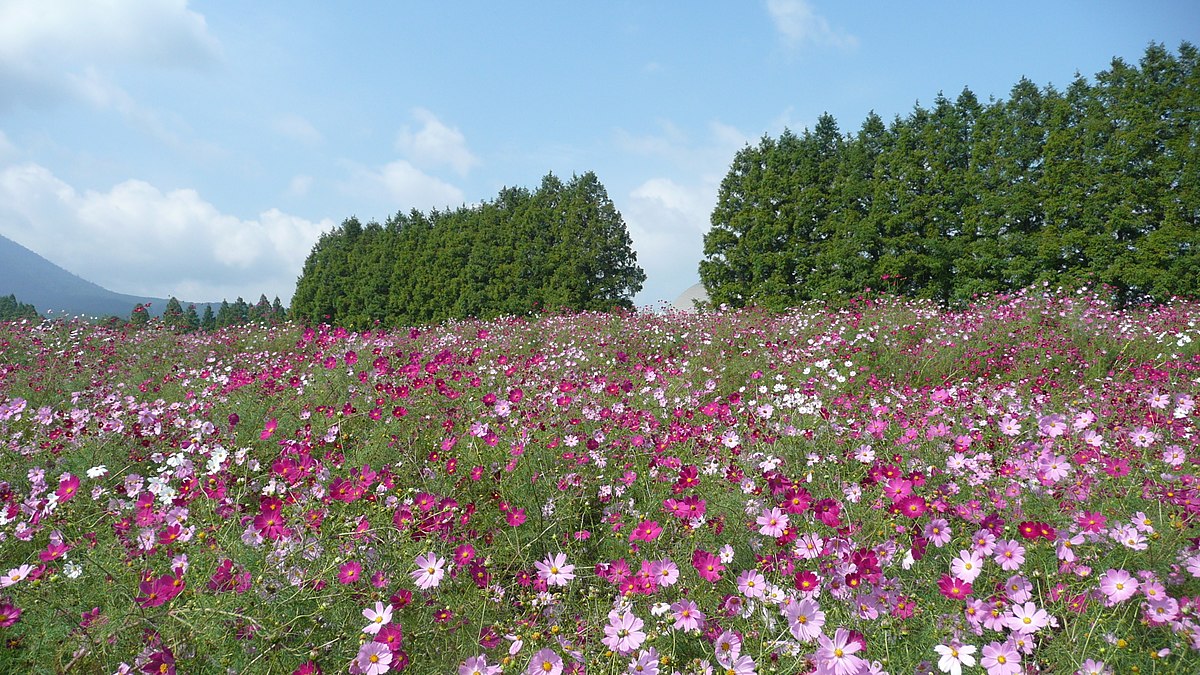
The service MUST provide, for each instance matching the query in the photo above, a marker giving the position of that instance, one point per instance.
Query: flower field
(878, 487)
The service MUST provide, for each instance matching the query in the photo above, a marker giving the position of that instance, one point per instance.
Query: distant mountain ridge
(56, 292)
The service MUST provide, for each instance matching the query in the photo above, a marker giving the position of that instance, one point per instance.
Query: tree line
(182, 320)
(1098, 183)
(563, 245)
(12, 309)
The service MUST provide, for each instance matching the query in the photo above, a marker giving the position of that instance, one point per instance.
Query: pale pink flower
(805, 620)
(772, 522)
(374, 658)
(555, 571)
(1027, 618)
(623, 633)
(1001, 659)
(836, 655)
(954, 656)
(429, 572)
(967, 566)
(379, 617)
(1118, 585)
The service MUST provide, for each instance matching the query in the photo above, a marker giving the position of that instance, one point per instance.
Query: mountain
(56, 292)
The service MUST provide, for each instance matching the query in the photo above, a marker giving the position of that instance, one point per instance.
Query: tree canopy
(12, 309)
(1099, 183)
(563, 245)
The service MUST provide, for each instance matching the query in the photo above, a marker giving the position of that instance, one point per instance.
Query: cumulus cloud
(667, 217)
(403, 186)
(136, 238)
(800, 24)
(47, 47)
(435, 144)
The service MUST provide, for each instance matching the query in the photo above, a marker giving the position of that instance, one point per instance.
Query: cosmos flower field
(877, 487)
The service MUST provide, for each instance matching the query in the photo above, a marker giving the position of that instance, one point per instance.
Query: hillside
(57, 292)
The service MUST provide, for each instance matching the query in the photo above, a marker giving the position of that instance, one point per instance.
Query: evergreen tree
(1100, 182)
(225, 315)
(173, 315)
(139, 316)
(208, 321)
(564, 245)
(191, 319)
(13, 310)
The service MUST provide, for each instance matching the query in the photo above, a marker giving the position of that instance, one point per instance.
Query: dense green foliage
(12, 309)
(187, 320)
(563, 245)
(1098, 183)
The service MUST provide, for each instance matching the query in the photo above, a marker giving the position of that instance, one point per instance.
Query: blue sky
(198, 149)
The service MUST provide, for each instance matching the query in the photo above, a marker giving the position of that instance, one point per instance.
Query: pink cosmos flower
(709, 566)
(1027, 618)
(623, 633)
(515, 517)
(67, 488)
(1010, 555)
(269, 429)
(1001, 659)
(647, 530)
(350, 572)
(429, 571)
(751, 584)
(545, 662)
(728, 646)
(15, 575)
(688, 616)
(373, 659)
(836, 655)
(645, 663)
(805, 620)
(9, 614)
(379, 617)
(554, 570)
(1118, 585)
(665, 572)
(967, 566)
(772, 522)
(478, 665)
(938, 532)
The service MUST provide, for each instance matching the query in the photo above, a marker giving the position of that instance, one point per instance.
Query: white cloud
(296, 128)
(35, 33)
(300, 185)
(435, 144)
(403, 186)
(53, 51)
(667, 217)
(136, 238)
(667, 221)
(800, 24)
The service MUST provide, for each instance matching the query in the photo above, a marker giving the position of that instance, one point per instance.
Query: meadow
(877, 486)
